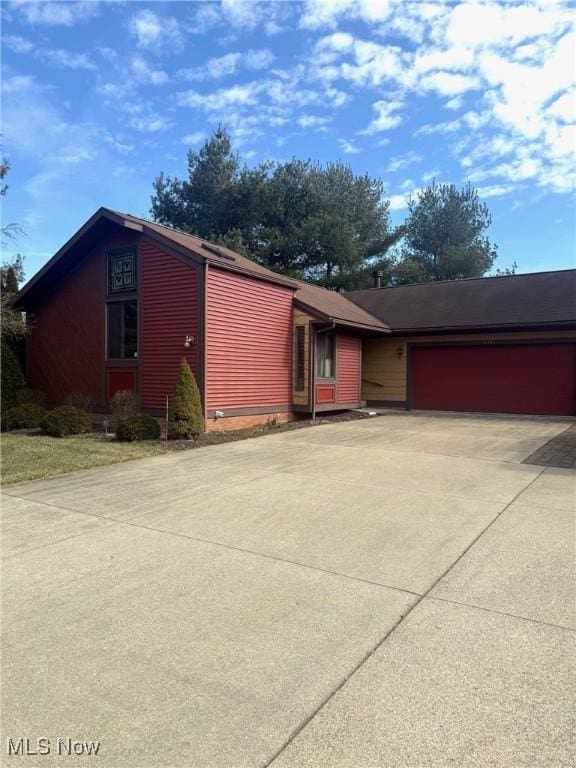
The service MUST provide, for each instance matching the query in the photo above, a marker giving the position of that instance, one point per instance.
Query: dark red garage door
(504, 378)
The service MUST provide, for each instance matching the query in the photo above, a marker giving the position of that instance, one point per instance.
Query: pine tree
(185, 418)
(445, 236)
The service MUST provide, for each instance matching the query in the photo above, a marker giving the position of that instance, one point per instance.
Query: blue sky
(99, 97)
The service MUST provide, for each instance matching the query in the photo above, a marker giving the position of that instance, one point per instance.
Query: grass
(30, 456)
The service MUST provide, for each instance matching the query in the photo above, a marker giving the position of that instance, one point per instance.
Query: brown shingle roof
(218, 255)
(328, 305)
(335, 307)
(513, 301)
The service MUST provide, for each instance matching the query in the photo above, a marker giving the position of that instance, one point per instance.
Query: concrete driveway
(389, 592)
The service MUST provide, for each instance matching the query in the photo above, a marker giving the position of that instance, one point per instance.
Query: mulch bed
(558, 452)
(230, 436)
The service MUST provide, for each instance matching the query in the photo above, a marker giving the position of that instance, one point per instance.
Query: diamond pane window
(122, 271)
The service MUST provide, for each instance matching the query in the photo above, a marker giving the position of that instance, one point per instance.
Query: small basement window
(325, 343)
(122, 326)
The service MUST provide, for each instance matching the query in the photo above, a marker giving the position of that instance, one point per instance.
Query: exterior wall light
(188, 341)
(399, 352)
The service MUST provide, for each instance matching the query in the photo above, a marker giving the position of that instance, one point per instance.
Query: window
(122, 330)
(299, 357)
(325, 356)
(121, 271)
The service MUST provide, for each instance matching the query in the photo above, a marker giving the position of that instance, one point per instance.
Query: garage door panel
(504, 378)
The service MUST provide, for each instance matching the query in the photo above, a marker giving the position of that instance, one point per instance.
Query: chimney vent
(378, 275)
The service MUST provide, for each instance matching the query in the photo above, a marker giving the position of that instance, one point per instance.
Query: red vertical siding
(248, 342)
(170, 301)
(65, 349)
(348, 362)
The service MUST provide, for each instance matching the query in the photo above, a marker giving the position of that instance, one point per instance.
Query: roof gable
(328, 305)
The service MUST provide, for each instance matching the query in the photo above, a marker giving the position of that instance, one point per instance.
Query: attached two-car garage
(504, 344)
(494, 378)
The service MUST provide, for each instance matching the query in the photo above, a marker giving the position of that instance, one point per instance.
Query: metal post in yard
(166, 435)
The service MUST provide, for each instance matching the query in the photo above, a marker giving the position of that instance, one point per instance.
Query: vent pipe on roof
(378, 275)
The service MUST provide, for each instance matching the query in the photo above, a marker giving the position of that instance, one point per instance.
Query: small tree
(185, 419)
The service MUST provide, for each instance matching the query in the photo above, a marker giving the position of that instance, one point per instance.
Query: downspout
(204, 345)
(313, 369)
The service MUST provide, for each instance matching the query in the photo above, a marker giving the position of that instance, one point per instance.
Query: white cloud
(225, 65)
(149, 123)
(66, 59)
(109, 54)
(229, 64)
(564, 107)
(403, 161)
(388, 116)
(18, 44)
(496, 190)
(144, 73)
(65, 14)
(153, 31)
(348, 147)
(204, 19)
(67, 150)
(272, 28)
(521, 92)
(225, 97)
(323, 13)
(398, 202)
(449, 83)
(258, 59)
(193, 138)
(326, 13)
(430, 175)
(372, 63)
(312, 121)
(489, 24)
(17, 83)
(242, 13)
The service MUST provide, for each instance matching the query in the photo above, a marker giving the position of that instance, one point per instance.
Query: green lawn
(27, 457)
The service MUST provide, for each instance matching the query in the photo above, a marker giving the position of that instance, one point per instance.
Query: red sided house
(125, 299)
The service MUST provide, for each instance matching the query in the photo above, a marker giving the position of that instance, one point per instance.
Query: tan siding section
(384, 375)
(301, 397)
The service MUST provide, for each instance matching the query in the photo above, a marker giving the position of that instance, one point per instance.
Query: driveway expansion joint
(381, 642)
(500, 613)
(129, 522)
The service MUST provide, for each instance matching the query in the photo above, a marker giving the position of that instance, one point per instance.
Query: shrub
(185, 419)
(26, 395)
(65, 420)
(25, 416)
(81, 400)
(125, 404)
(12, 377)
(141, 427)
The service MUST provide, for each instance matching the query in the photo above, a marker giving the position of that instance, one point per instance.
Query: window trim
(300, 359)
(328, 335)
(115, 253)
(123, 299)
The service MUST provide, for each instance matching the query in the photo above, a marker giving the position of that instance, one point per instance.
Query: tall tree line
(324, 222)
